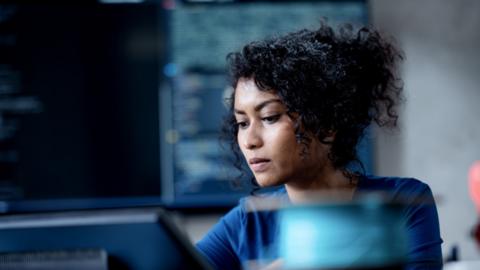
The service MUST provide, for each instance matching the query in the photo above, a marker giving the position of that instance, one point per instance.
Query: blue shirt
(241, 236)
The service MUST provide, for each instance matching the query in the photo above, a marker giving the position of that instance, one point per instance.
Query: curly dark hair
(335, 81)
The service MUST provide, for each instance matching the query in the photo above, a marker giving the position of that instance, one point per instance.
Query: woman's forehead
(248, 94)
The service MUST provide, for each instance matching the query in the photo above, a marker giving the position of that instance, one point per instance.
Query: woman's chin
(264, 182)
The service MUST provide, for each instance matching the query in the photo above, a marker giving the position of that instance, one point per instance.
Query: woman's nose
(253, 138)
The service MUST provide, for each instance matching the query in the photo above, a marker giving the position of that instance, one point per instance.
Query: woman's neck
(333, 184)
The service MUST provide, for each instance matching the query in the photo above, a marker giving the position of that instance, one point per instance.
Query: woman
(300, 105)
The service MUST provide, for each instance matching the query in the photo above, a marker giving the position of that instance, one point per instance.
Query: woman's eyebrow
(260, 106)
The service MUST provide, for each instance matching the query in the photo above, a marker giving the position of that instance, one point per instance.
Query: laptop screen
(135, 238)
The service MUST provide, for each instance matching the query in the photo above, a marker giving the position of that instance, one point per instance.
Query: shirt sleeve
(219, 244)
(423, 230)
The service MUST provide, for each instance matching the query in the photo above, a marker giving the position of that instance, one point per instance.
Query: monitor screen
(195, 166)
(79, 99)
(120, 102)
(135, 238)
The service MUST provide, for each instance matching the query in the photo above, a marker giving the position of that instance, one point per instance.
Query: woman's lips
(259, 164)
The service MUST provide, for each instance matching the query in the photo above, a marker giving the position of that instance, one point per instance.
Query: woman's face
(266, 136)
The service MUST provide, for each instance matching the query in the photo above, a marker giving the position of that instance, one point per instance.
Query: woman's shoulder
(403, 189)
(392, 183)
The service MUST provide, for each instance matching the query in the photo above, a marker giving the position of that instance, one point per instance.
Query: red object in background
(474, 186)
(474, 183)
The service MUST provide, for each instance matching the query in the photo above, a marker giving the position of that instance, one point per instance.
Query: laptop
(129, 238)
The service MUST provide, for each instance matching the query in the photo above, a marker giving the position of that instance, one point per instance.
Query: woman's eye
(271, 119)
(242, 125)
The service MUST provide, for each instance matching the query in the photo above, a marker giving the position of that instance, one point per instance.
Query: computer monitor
(129, 238)
(124, 98)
